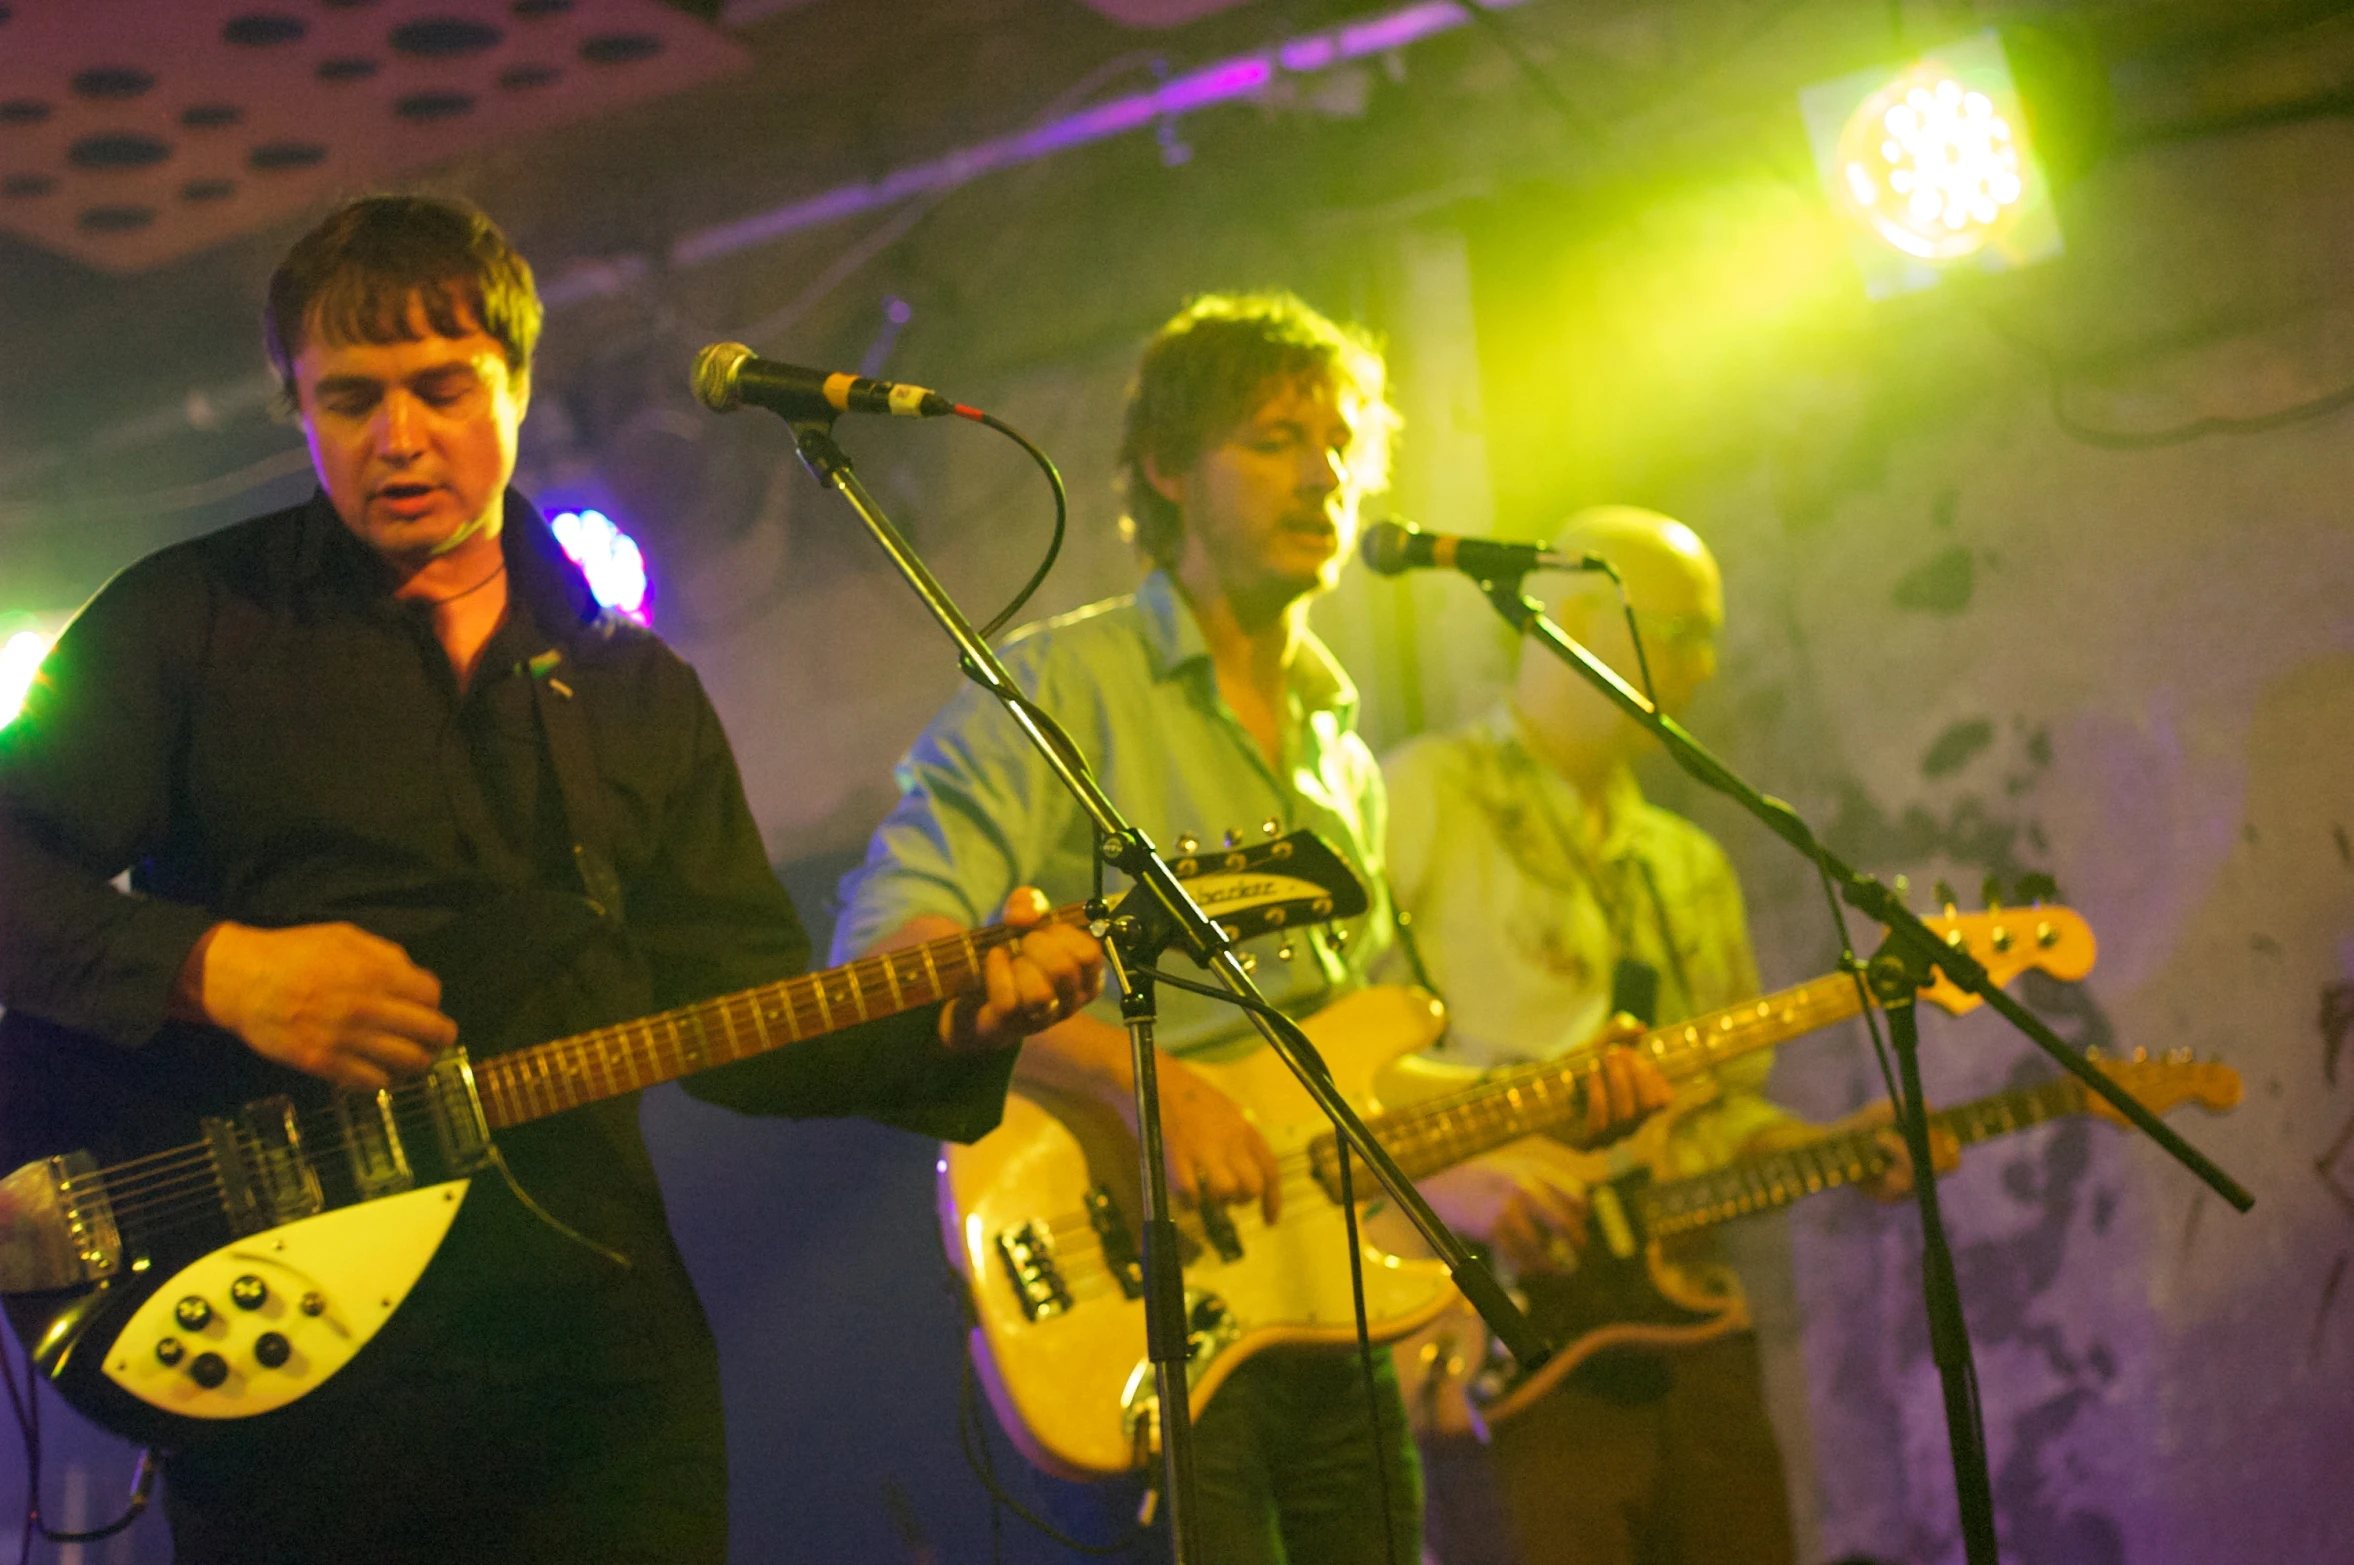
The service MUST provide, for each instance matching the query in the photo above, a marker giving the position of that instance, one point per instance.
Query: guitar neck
(1426, 1138)
(550, 1078)
(1776, 1179)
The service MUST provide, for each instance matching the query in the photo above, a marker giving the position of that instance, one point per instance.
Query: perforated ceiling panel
(132, 131)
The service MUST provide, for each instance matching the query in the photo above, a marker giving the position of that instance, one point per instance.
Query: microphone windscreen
(716, 368)
(1384, 548)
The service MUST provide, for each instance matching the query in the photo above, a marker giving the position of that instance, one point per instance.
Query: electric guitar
(1630, 1289)
(193, 1263)
(1040, 1216)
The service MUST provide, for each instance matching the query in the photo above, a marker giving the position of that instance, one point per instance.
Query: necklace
(462, 592)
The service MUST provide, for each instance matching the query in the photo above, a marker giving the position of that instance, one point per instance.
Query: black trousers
(451, 1468)
(1687, 1476)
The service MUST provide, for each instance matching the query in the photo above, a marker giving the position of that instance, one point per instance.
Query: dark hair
(351, 278)
(1209, 369)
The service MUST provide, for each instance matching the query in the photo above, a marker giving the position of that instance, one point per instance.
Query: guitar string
(1694, 1045)
(1760, 1190)
(152, 1185)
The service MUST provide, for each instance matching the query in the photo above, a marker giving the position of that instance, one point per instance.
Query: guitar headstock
(1263, 887)
(2160, 1085)
(2008, 941)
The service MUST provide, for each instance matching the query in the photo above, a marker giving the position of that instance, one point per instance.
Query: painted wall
(1962, 641)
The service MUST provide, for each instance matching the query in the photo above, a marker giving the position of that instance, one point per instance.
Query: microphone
(728, 375)
(1391, 550)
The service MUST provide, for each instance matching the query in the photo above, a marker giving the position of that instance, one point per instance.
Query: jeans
(1289, 1471)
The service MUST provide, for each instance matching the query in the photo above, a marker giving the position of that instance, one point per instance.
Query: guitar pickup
(1218, 1228)
(1610, 1216)
(1027, 1250)
(456, 1110)
(266, 1179)
(1117, 1239)
(372, 1141)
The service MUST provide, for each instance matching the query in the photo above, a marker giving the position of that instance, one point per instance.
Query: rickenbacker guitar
(1040, 1216)
(1631, 1290)
(217, 1261)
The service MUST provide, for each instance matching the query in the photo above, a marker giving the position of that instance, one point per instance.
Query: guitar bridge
(56, 1226)
(1028, 1253)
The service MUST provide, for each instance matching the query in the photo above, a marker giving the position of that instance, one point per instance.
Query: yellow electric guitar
(1632, 1290)
(174, 1265)
(1041, 1215)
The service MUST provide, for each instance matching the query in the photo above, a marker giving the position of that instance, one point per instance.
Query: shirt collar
(539, 574)
(1176, 640)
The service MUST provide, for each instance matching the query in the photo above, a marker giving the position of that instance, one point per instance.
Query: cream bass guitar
(1638, 1286)
(191, 1263)
(1040, 1216)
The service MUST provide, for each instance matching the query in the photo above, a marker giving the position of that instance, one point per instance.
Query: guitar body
(1058, 1333)
(253, 1256)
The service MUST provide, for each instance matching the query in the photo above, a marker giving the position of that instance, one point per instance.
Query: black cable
(1509, 42)
(972, 1436)
(1627, 607)
(2195, 429)
(1379, 1440)
(1348, 1204)
(1062, 514)
(25, 1404)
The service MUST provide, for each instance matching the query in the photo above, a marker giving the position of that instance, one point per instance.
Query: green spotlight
(20, 659)
(1933, 168)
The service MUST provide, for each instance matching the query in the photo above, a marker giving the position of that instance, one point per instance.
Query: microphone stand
(1903, 964)
(1165, 915)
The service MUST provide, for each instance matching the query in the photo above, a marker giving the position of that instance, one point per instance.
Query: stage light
(610, 558)
(20, 659)
(1933, 162)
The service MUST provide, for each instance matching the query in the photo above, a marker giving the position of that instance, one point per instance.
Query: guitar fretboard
(1775, 1179)
(1426, 1138)
(550, 1078)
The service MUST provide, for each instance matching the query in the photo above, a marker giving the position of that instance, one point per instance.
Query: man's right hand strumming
(330, 1000)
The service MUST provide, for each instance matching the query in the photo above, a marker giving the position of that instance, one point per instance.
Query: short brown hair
(1210, 368)
(351, 279)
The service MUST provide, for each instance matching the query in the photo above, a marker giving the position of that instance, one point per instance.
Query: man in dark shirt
(377, 725)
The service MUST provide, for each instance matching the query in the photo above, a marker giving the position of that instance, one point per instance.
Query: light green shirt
(1131, 679)
(1521, 909)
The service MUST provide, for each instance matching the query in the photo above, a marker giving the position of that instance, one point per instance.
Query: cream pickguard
(252, 1326)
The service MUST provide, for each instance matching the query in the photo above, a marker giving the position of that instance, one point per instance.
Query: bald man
(1543, 893)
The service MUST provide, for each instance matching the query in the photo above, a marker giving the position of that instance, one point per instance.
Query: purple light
(1222, 82)
(609, 558)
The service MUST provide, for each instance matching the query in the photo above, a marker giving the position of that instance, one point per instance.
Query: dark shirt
(259, 731)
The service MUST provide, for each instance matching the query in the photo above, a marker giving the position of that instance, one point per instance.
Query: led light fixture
(610, 558)
(20, 659)
(1931, 164)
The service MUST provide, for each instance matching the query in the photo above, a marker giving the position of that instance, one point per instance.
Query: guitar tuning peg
(1187, 842)
(1283, 952)
(1271, 827)
(1990, 892)
(1250, 961)
(2141, 1056)
(1943, 893)
(1903, 887)
(2178, 1056)
(1231, 838)
(1340, 937)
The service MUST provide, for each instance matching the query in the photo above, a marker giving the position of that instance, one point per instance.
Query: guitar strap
(566, 730)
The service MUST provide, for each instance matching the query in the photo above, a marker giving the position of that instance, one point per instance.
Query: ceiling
(132, 133)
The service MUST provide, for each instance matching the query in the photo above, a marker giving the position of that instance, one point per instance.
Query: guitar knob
(169, 1352)
(249, 1292)
(1231, 838)
(313, 1304)
(209, 1370)
(1271, 827)
(271, 1350)
(193, 1313)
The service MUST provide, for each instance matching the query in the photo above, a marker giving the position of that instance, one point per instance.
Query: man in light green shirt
(1531, 868)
